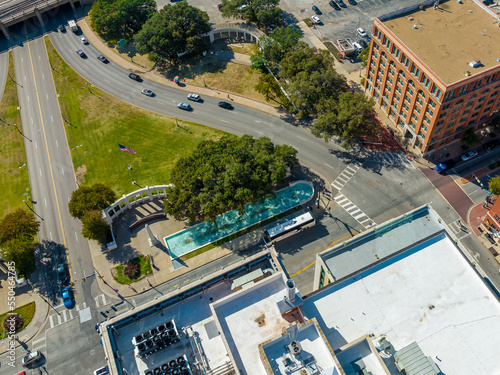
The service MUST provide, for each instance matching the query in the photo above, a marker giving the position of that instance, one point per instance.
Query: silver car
(147, 92)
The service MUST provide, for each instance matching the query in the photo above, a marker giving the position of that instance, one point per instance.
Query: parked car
(363, 43)
(469, 155)
(341, 3)
(61, 274)
(102, 371)
(352, 2)
(361, 32)
(31, 358)
(225, 105)
(488, 2)
(358, 47)
(491, 145)
(184, 106)
(194, 97)
(445, 165)
(61, 28)
(84, 40)
(315, 19)
(316, 9)
(148, 92)
(81, 53)
(334, 5)
(67, 296)
(135, 77)
(102, 58)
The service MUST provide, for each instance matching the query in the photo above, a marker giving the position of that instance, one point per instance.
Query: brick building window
(424, 128)
(407, 99)
(427, 121)
(440, 123)
(490, 102)
(456, 109)
(445, 107)
(375, 46)
(429, 112)
(482, 99)
(392, 114)
(483, 118)
(380, 71)
(436, 92)
(389, 79)
(414, 116)
(401, 123)
(443, 115)
(396, 98)
(409, 91)
(468, 104)
(452, 118)
(391, 72)
(477, 107)
(487, 109)
(432, 104)
(398, 89)
(466, 112)
(419, 100)
(462, 119)
(400, 81)
(416, 109)
(474, 115)
(405, 107)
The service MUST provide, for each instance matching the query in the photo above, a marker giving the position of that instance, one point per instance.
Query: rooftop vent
(475, 63)
(290, 287)
(295, 348)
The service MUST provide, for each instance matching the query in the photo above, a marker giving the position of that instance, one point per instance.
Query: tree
(117, 19)
(280, 42)
(264, 13)
(268, 86)
(20, 251)
(10, 321)
(470, 138)
(90, 198)
(131, 269)
(363, 55)
(175, 29)
(225, 175)
(349, 118)
(18, 224)
(494, 185)
(94, 226)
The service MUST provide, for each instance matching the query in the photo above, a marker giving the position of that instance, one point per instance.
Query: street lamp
(204, 81)
(176, 122)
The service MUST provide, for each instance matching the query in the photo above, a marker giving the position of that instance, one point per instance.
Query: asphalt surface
(384, 186)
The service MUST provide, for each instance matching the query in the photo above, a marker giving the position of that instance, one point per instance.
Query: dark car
(363, 43)
(81, 53)
(491, 145)
(102, 58)
(31, 358)
(352, 2)
(61, 28)
(334, 5)
(341, 3)
(61, 273)
(135, 77)
(316, 9)
(445, 165)
(225, 105)
(487, 2)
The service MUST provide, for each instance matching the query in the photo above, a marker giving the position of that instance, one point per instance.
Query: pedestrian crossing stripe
(344, 177)
(353, 210)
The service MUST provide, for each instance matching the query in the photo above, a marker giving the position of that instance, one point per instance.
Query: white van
(358, 47)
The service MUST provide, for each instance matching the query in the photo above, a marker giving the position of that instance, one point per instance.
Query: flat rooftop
(429, 294)
(381, 242)
(449, 38)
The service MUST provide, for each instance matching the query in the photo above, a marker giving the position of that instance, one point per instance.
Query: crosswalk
(81, 311)
(390, 158)
(346, 175)
(354, 211)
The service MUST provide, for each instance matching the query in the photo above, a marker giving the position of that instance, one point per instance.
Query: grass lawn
(235, 45)
(219, 75)
(26, 311)
(96, 121)
(144, 266)
(14, 176)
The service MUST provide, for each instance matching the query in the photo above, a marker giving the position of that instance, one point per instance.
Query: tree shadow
(193, 67)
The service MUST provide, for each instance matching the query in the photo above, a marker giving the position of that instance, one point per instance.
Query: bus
(290, 227)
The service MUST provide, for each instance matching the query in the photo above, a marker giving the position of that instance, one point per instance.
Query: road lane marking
(227, 122)
(28, 97)
(57, 144)
(48, 154)
(45, 201)
(40, 171)
(76, 236)
(107, 80)
(43, 76)
(51, 118)
(62, 169)
(302, 138)
(259, 133)
(328, 165)
(36, 146)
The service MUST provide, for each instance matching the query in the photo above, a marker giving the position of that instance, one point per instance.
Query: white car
(147, 92)
(362, 33)
(31, 358)
(194, 97)
(315, 19)
(84, 40)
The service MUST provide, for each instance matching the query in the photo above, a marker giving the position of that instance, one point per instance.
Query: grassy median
(95, 121)
(13, 169)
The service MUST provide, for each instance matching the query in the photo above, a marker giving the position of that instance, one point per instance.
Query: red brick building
(436, 72)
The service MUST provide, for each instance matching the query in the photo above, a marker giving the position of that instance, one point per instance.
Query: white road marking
(302, 138)
(50, 235)
(28, 97)
(40, 170)
(57, 144)
(328, 165)
(43, 76)
(22, 60)
(59, 319)
(107, 80)
(352, 210)
(62, 169)
(259, 132)
(31, 120)
(45, 201)
(36, 145)
(51, 318)
(39, 58)
(76, 236)
(227, 122)
(51, 118)
(47, 95)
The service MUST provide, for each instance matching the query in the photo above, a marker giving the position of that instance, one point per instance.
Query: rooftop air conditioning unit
(295, 348)
(475, 63)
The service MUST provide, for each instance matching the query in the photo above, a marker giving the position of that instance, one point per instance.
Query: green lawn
(145, 269)
(26, 311)
(13, 169)
(96, 121)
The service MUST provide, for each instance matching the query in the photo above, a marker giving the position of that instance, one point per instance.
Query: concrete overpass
(15, 11)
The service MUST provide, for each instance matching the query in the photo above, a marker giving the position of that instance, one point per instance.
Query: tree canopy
(494, 185)
(120, 19)
(90, 198)
(263, 13)
(17, 239)
(224, 175)
(470, 138)
(280, 42)
(175, 29)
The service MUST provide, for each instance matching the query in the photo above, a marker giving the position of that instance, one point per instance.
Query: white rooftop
(429, 294)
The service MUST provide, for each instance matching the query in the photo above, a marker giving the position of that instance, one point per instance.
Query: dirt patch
(261, 320)
(235, 45)
(80, 174)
